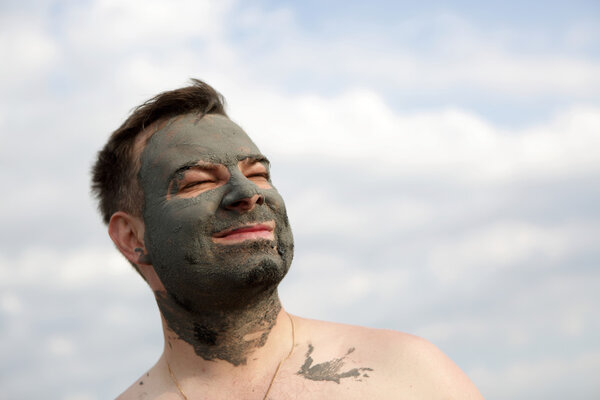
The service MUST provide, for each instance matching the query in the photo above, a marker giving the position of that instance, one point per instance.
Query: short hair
(115, 181)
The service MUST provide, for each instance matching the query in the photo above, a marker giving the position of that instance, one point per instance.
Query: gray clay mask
(179, 161)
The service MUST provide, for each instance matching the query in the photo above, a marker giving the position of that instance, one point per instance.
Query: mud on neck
(230, 335)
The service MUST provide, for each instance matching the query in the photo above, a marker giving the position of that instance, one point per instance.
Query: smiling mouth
(263, 230)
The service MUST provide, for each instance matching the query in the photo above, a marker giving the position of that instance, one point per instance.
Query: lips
(262, 230)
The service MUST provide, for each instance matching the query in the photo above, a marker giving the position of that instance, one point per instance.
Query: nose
(246, 204)
(242, 197)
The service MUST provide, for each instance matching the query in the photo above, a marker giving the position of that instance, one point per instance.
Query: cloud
(29, 52)
(530, 379)
(358, 126)
(114, 26)
(507, 244)
(435, 55)
(64, 308)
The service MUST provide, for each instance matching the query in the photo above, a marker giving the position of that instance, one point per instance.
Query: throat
(230, 335)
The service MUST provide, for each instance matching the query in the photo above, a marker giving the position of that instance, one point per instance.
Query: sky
(440, 165)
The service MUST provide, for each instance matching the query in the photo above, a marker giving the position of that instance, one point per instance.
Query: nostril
(246, 204)
(242, 198)
(237, 204)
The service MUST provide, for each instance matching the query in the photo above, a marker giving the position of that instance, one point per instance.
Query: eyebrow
(254, 158)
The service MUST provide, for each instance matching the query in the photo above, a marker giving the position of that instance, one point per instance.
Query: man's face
(216, 229)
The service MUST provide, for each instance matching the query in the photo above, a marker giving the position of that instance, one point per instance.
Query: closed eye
(195, 179)
(195, 184)
(258, 173)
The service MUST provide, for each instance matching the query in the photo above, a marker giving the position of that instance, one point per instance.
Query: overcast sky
(440, 165)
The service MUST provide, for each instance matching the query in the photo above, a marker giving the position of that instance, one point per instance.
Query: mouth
(263, 230)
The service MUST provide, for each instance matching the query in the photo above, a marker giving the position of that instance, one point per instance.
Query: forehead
(187, 139)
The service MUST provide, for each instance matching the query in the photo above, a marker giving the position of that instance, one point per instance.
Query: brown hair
(115, 174)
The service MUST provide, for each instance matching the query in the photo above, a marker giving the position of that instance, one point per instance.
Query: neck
(231, 334)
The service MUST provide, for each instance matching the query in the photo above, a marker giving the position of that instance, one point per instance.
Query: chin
(230, 276)
(266, 273)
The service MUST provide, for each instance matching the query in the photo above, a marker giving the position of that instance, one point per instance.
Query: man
(189, 202)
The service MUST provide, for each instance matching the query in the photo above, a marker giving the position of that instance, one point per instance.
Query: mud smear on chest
(331, 370)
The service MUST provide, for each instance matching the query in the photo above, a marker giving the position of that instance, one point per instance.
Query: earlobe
(143, 257)
(127, 233)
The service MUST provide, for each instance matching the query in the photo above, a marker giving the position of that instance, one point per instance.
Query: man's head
(192, 202)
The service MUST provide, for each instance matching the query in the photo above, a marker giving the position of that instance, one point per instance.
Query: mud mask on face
(197, 272)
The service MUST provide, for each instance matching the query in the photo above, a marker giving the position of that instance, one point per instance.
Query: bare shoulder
(149, 386)
(396, 362)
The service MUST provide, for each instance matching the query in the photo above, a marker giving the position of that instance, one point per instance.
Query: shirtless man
(189, 202)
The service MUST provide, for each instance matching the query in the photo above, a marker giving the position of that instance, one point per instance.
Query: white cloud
(502, 245)
(66, 308)
(436, 54)
(531, 379)
(80, 396)
(359, 127)
(531, 76)
(29, 52)
(330, 216)
(509, 244)
(10, 303)
(60, 346)
(73, 269)
(582, 35)
(120, 26)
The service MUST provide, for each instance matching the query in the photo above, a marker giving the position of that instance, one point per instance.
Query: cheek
(183, 215)
(274, 199)
(204, 204)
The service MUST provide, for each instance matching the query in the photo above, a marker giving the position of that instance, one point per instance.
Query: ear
(127, 233)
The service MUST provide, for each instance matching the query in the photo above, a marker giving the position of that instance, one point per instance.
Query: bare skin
(392, 365)
(213, 244)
